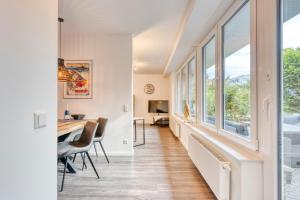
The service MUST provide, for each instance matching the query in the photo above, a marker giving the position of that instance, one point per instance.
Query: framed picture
(81, 85)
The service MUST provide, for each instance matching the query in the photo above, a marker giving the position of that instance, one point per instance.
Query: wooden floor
(159, 170)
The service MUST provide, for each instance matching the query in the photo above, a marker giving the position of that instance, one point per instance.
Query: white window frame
(252, 141)
(177, 92)
(178, 96)
(207, 39)
(193, 117)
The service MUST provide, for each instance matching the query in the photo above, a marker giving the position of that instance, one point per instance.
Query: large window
(192, 86)
(209, 82)
(290, 73)
(184, 88)
(227, 77)
(178, 94)
(236, 73)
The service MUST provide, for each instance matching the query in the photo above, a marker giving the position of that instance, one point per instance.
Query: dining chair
(100, 135)
(74, 136)
(82, 146)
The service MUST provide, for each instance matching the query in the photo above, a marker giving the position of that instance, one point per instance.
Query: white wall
(112, 85)
(162, 92)
(28, 54)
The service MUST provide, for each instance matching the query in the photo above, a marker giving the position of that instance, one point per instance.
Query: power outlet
(125, 141)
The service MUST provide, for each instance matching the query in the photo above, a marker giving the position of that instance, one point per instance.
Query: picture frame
(82, 72)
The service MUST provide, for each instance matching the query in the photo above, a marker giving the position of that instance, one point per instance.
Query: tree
(210, 100)
(237, 102)
(291, 77)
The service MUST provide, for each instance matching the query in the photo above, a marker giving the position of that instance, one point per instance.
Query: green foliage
(237, 96)
(210, 102)
(237, 102)
(291, 83)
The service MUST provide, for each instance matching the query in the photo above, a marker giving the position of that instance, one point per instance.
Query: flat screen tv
(158, 106)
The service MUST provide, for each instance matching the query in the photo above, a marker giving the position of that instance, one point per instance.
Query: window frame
(192, 117)
(252, 141)
(208, 38)
(179, 96)
(177, 93)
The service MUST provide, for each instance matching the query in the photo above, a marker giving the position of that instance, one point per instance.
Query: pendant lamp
(63, 74)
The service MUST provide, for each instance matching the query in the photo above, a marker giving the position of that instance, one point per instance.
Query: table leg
(135, 130)
(144, 136)
(70, 165)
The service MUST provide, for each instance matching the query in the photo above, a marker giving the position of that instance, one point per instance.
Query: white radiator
(177, 130)
(212, 167)
(175, 127)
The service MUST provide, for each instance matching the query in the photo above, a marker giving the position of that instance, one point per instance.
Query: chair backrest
(101, 127)
(87, 135)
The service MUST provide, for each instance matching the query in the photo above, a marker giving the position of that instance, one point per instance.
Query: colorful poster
(80, 86)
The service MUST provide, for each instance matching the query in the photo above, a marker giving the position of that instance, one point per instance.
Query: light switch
(40, 120)
(126, 107)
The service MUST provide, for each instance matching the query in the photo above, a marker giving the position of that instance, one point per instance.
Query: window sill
(221, 143)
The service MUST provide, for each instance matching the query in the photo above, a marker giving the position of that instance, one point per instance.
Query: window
(184, 88)
(178, 94)
(209, 82)
(227, 77)
(236, 73)
(290, 111)
(192, 86)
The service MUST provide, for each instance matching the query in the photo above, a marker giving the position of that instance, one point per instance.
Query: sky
(236, 64)
(291, 32)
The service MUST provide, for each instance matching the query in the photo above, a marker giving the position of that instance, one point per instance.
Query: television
(158, 106)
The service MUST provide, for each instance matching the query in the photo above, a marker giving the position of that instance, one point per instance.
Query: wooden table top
(67, 126)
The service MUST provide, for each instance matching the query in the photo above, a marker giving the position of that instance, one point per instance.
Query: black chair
(100, 134)
(82, 146)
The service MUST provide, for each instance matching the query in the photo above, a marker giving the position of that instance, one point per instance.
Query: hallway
(159, 170)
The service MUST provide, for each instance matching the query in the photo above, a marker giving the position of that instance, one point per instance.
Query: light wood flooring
(159, 170)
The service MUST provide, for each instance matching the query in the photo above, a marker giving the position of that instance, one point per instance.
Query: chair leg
(88, 155)
(95, 149)
(83, 161)
(103, 151)
(63, 179)
(74, 157)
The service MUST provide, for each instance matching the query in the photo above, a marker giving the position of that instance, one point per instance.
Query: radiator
(177, 130)
(214, 169)
(175, 127)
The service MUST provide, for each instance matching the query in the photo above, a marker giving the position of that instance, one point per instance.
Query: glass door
(290, 100)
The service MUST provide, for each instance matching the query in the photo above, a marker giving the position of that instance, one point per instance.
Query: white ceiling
(154, 24)
(164, 31)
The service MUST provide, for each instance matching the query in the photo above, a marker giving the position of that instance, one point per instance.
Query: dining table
(64, 128)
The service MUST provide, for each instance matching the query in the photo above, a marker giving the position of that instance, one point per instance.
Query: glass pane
(184, 91)
(291, 100)
(236, 74)
(192, 86)
(178, 94)
(209, 82)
